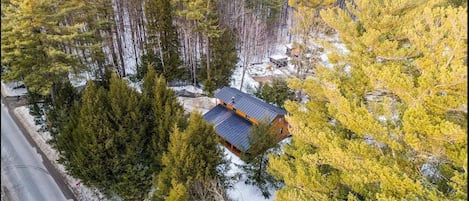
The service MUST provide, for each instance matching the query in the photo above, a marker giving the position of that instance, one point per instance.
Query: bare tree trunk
(244, 47)
(134, 19)
(117, 28)
(208, 58)
(110, 42)
(192, 43)
(160, 51)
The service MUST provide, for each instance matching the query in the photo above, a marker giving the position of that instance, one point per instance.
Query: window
(280, 131)
(280, 120)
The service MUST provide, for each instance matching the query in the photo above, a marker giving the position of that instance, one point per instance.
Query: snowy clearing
(240, 190)
(200, 104)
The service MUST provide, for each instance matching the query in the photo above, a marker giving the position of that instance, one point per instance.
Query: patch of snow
(259, 69)
(249, 82)
(278, 49)
(242, 191)
(341, 48)
(291, 67)
(325, 60)
(189, 88)
(136, 85)
(7, 89)
(201, 104)
(78, 80)
(395, 117)
(382, 118)
(278, 57)
(347, 69)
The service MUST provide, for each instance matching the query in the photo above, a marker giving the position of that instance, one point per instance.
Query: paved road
(23, 171)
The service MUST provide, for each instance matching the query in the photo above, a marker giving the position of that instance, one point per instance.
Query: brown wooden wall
(281, 123)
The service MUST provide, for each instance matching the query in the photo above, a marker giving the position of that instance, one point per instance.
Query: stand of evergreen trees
(119, 140)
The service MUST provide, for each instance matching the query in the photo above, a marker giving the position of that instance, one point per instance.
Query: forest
(386, 120)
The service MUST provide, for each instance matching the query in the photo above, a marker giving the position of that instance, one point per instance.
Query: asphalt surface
(26, 171)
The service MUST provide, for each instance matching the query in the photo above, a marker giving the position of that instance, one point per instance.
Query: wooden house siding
(282, 124)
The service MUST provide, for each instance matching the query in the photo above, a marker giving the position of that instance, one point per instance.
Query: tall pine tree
(193, 155)
(161, 110)
(387, 122)
(163, 39)
(224, 58)
(276, 92)
(36, 43)
(103, 144)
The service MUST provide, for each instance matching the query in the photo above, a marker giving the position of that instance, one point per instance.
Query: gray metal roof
(252, 106)
(230, 126)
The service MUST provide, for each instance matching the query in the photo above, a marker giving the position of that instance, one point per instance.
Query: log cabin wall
(281, 125)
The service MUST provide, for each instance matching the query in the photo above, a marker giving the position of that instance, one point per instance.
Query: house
(235, 114)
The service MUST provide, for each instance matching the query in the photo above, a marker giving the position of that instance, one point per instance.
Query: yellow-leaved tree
(389, 120)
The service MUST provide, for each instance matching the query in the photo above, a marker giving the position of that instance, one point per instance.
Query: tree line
(124, 142)
(183, 40)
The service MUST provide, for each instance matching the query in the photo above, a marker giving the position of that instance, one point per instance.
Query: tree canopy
(32, 41)
(388, 121)
(193, 156)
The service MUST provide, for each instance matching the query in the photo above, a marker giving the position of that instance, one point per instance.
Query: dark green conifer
(263, 141)
(223, 62)
(193, 155)
(36, 43)
(163, 39)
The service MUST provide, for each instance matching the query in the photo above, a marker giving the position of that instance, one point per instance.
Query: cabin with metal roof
(235, 114)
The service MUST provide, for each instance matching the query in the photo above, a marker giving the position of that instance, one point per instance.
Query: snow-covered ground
(240, 190)
(249, 84)
(201, 104)
(8, 89)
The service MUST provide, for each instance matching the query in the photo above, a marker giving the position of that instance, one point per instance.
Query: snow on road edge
(82, 192)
